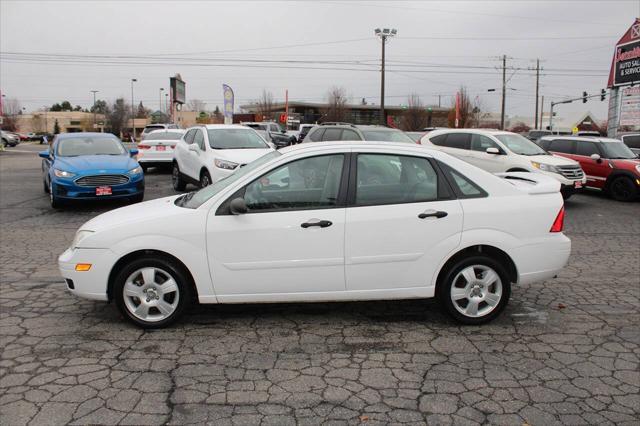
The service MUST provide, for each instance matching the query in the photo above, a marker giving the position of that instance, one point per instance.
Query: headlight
(226, 165)
(63, 173)
(545, 167)
(135, 171)
(80, 235)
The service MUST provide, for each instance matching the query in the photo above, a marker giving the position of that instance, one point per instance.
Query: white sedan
(328, 222)
(157, 148)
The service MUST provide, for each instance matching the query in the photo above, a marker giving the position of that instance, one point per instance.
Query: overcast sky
(254, 45)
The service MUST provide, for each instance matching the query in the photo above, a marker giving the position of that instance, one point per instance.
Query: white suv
(498, 151)
(206, 154)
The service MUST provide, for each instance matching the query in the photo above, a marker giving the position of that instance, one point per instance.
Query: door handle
(432, 213)
(320, 223)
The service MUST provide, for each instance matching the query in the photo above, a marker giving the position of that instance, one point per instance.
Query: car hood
(241, 156)
(629, 163)
(96, 163)
(141, 212)
(553, 160)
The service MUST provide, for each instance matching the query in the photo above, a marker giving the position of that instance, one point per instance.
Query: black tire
(205, 179)
(443, 292)
(144, 168)
(176, 179)
(174, 270)
(566, 194)
(55, 202)
(623, 188)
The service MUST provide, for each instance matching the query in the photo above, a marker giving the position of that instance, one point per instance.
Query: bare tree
(466, 110)
(117, 116)
(265, 104)
(337, 109)
(416, 116)
(11, 110)
(196, 105)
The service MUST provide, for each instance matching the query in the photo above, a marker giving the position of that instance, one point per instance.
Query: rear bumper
(91, 284)
(543, 259)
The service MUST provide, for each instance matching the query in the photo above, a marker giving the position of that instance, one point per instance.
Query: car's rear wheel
(205, 179)
(475, 290)
(176, 179)
(622, 189)
(152, 292)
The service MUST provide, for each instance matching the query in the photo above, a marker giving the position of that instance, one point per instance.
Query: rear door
(401, 222)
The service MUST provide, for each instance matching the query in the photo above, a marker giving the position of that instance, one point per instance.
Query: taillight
(143, 147)
(172, 146)
(558, 224)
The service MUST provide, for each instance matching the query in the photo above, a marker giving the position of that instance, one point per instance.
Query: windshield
(256, 126)
(164, 136)
(386, 135)
(195, 199)
(235, 139)
(90, 145)
(617, 150)
(520, 145)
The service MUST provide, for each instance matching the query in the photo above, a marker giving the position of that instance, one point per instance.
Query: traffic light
(283, 118)
(603, 94)
(584, 97)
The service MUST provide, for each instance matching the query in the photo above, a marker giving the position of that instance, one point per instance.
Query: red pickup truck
(609, 164)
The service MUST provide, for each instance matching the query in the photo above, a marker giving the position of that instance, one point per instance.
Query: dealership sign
(178, 92)
(625, 67)
(630, 107)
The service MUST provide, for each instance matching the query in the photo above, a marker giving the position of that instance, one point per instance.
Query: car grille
(571, 172)
(102, 180)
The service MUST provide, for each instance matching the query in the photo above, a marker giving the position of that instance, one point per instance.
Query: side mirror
(44, 154)
(238, 206)
(193, 147)
(133, 152)
(493, 150)
(596, 157)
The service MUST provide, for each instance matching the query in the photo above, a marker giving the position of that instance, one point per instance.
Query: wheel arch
(615, 174)
(491, 251)
(138, 253)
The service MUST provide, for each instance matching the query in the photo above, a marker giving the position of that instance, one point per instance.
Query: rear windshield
(235, 139)
(152, 128)
(90, 145)
(386, 135)
(164, 136)
(257, 126)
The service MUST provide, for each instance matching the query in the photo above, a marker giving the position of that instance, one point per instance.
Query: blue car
(89, 166)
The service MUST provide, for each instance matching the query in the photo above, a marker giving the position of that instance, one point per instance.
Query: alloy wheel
(151, 294)
(476, 291)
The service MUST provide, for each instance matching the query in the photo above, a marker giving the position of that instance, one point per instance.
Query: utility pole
(541, 111)
(160, 99)
(504, 89)
(537, 89)
(133, 116)
(439, 97)
(94, 107)
(383, 34)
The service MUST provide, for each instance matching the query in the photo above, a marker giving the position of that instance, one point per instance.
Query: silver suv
(350, 132)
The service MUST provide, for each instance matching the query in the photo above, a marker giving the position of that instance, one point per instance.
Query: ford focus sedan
(89, 166)
(351, 221)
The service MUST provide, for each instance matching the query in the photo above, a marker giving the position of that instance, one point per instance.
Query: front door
(291, 240)
(478, 156)
(596, 171)
(401, 224)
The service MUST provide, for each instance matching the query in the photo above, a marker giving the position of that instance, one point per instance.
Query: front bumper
(91, 284)
(67, 189)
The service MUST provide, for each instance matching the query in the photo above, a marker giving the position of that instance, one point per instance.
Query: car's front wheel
(53, 199)
(475, 290)
(623, 189)
(176, 179)
(205, 179)
(152, 292)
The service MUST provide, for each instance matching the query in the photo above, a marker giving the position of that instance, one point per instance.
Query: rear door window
(349, 135)
(586, 148)
(438, 140)
(562, 145)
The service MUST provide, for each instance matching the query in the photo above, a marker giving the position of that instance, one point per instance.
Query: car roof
(580, 138)
(391, 146)
(84, 134)
(490, 132)
(222, 126)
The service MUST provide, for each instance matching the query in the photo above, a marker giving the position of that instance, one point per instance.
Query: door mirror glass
(238, 206)
(595, 157)
(44, 154)
(492, 150)
(133, 152)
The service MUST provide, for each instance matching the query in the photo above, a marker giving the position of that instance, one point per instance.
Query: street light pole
(383, 34)
(94, 107)
(133, 115)
(160, 99)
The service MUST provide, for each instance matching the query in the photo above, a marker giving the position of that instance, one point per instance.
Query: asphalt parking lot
(565, 351)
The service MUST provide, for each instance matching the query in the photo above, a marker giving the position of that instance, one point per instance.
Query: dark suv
(608, 163)
(350, 132)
